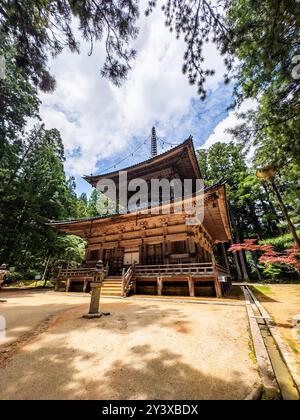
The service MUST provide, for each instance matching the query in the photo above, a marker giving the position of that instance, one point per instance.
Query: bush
(13, 277)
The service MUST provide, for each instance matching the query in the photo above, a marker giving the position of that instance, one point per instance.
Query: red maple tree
(289, 257)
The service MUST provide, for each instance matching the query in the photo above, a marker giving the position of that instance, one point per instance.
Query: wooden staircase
(112, 286)
(118, 286)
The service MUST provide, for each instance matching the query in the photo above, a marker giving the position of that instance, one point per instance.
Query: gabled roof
(182, 156)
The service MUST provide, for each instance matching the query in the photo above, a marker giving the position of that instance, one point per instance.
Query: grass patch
(251, 351)
(261, 290)
(293, 346)
(29, 284)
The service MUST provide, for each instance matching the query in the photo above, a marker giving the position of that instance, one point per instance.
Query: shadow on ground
(52, 374)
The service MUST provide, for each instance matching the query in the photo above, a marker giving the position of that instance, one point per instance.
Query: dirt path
(144, 350)
(25, 310)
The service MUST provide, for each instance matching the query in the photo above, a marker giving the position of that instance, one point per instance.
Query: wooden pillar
(85, 285)
(164, 251)
(57, 285)
(191, 288)
(143, 253)
(200, 253)
(191, 248)
(69, 284)
(218, 288)
(206, 255)
(210, 256)
(159, 286)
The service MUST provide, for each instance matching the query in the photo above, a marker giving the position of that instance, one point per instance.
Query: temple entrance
(154, 254)
(131, 257)
(114, 258)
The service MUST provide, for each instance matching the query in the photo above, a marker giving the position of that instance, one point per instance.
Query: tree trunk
(225, 258)
(235, 255)
(286, 214)
(244, 265)
(242, 259)
(257, 269)
(237, 265)
(45, 270)
(272, 208)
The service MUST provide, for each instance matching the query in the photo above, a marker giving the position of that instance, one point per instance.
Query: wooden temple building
(155, 254)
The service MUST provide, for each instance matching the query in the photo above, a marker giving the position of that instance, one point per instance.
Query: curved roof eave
(92, 179)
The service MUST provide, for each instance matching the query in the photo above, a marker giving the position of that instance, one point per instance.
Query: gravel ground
(143, 350)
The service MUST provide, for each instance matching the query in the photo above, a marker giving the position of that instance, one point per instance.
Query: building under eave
(156, 252)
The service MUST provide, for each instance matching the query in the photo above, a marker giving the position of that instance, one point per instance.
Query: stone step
(110, 293)
(112, 283)
(115, 286)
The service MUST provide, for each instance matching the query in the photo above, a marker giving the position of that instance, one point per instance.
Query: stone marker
(94, 311)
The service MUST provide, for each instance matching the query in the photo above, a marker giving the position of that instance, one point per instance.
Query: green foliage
(251, 210)
(67, 251)
(34, 190)
(265, 39)
(41, 28)
(18, 99)
(273, 271)
(280, 242)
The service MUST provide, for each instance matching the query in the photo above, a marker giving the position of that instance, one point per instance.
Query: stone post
(94, 311)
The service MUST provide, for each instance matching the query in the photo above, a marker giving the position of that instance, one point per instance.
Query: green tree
(37, 193)
(251, 212)
(68, 251)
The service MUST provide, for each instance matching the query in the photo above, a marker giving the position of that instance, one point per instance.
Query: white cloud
(220, 133)
(98, 120)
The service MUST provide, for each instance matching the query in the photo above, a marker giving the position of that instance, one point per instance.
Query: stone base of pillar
(91, 316)
(95, 315)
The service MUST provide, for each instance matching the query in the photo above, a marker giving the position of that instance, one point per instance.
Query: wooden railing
(190, 269)
(222, 271)
(65, 273)
(127, 280)
(76, 272)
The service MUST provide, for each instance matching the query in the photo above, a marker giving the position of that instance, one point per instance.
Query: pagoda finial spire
(153, 143)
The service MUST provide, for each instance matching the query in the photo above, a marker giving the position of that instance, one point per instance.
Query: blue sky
(101, 124)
